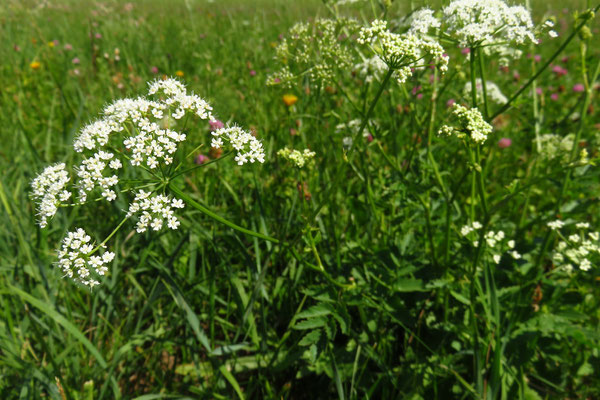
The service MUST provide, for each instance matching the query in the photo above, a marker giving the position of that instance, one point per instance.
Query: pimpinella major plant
(416, 265)
(135, 151)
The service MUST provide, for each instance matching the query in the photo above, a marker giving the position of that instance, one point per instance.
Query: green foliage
(349, 279)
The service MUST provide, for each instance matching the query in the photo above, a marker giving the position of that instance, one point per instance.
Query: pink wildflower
(504, 143)
(201, 159)
(216, 124)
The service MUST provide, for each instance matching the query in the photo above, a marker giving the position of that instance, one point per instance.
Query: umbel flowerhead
(135, 140)
(316, 50)
(476, 23)
(402, 53)
(493, 26)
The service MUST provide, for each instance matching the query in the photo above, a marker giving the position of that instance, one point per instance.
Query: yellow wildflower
(290, 99)
(35, 65)
(179, 73)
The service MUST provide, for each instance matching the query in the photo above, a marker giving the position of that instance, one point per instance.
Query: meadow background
(366, 295)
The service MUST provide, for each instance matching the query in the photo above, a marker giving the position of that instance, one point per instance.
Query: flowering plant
(135, 147)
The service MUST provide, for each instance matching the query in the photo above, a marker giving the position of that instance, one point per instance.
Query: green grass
(370, 291)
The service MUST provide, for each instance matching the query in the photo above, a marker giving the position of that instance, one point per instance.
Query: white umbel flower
(494, 94)
(248, 148)
(49, 191)
(471, 123)
(371, 69)
(402, 53)
(76, 260)
(423, 21)
(483, 22)
(153, 210)
(296, 157)
(91, 175)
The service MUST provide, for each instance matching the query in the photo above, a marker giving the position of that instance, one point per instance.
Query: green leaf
(315, 311)
(409, 285)
(310, 338)
(311, 323)
(56, 316)
(232, 381)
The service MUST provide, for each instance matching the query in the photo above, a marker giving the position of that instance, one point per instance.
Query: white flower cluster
(299, 159)
(248, 148)
(556, 224)
(471, 123)
(402, 53)
(154, 210)
(142, 132)
(90, 174)
(49, 191)
(485, 22)
(493, 240)
(77, 261)
(494, 93)
(553, 146)
(423, 21)
(576, 250)
(151, 142)
(371, 69)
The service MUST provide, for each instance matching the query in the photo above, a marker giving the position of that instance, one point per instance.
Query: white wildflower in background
(471, 124)
(298, 158)
(153, 210)
(402, 53)
(317, 50)
(494, 94)
(371, 69)
(576, 250)
(555, 225)
(477, 23)
(48, 190)
(423, 21)
(495, 242)
(76, 259)
(553, 147)
(466, 229)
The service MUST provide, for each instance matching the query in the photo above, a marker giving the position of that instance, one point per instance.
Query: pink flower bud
(201, 159)
(504, 143)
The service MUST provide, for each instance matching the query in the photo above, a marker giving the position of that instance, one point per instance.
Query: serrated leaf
(311, 337)
(315, 311)
(310, 323)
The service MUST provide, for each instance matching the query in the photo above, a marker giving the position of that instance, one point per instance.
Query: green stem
(486, 109)
(217, 217)
(365, 121)
(473, 79)
(573, 155)
(111, 235)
